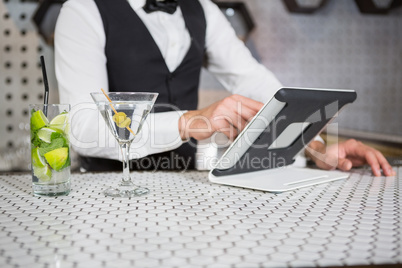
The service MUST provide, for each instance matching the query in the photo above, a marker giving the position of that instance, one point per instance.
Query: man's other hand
(348, 154)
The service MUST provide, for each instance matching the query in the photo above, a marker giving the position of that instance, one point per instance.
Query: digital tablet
(281, 129)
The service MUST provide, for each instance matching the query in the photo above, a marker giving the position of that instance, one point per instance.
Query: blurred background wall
(336, 46)
(20, 79)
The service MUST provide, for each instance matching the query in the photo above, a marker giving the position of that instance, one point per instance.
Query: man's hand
(232, 114)
(228, 116)
(348, 154)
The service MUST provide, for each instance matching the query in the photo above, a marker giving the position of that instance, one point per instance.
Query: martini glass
(125, 113)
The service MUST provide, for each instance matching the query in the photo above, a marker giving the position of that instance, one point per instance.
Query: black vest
(135, 63)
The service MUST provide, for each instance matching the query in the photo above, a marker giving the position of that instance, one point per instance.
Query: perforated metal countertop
(188, 222)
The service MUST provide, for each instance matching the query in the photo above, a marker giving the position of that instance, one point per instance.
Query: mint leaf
(47, 147)
(34, 138)
(55, 135)
(36, 141)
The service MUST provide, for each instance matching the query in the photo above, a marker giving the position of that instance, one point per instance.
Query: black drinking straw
(46, 97)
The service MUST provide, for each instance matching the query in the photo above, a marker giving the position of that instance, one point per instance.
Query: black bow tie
(168, 6)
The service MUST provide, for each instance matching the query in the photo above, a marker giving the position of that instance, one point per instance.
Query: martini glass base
(125, 192)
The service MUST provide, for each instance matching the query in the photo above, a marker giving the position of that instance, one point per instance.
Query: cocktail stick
(114, 110)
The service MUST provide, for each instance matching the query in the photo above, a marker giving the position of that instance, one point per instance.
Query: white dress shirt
(81, 69)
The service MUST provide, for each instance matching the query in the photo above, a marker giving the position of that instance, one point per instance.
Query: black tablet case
(301, 104)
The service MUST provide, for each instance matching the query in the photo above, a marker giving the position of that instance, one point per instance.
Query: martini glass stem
(125, 150)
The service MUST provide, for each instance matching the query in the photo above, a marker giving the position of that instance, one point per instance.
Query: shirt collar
(136, 4)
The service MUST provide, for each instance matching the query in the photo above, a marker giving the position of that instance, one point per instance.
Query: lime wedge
(43, 173)
(38, 120)
(59, 122)
(45, 134)
(57, 158)
(37, 159)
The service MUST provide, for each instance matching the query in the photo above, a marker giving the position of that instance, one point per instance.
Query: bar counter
(186, 221)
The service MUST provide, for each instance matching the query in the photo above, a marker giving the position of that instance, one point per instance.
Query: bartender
(160, 46)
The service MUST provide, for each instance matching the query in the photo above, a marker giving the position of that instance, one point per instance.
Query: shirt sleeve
(230, 61)
(80, 64)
